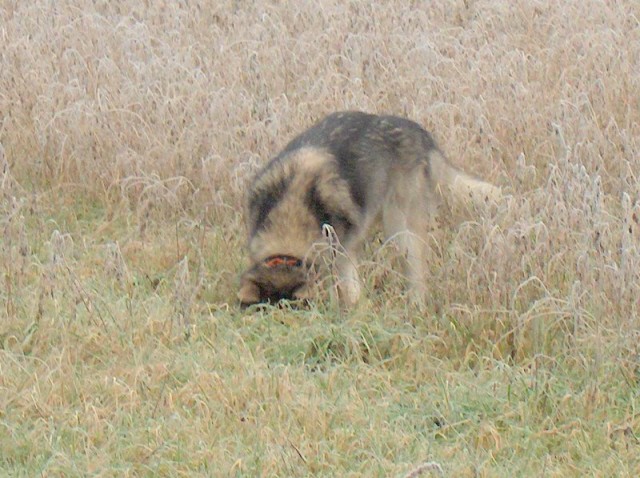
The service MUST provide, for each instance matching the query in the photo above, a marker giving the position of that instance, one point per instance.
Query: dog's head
(273, 279)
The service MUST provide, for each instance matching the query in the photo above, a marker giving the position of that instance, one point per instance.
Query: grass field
(128, 132)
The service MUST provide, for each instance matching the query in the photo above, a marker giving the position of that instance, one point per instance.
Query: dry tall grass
(127, 133)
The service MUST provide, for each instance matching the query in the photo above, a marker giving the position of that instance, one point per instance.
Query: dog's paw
(249, 293)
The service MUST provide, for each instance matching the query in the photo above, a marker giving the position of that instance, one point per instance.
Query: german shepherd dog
(348, 171)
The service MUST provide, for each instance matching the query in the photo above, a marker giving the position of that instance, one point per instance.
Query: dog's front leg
(348, 283)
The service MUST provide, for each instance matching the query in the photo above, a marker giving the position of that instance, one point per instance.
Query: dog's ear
(249, 292)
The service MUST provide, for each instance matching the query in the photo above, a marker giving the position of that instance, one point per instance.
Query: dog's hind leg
(402, 224)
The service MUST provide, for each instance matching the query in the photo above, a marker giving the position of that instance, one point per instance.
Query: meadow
(129, 131)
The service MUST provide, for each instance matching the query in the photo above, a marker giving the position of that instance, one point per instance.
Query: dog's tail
(463, 187)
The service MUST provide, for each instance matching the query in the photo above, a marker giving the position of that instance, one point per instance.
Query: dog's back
(367, 147)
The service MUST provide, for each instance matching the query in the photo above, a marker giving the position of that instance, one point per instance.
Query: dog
(348, 171)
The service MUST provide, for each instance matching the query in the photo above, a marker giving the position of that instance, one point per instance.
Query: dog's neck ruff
(276, 261)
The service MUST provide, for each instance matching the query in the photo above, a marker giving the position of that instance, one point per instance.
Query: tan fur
(293, 229)
(462, 186)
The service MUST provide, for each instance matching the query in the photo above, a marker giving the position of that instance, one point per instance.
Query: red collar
(276, 261)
